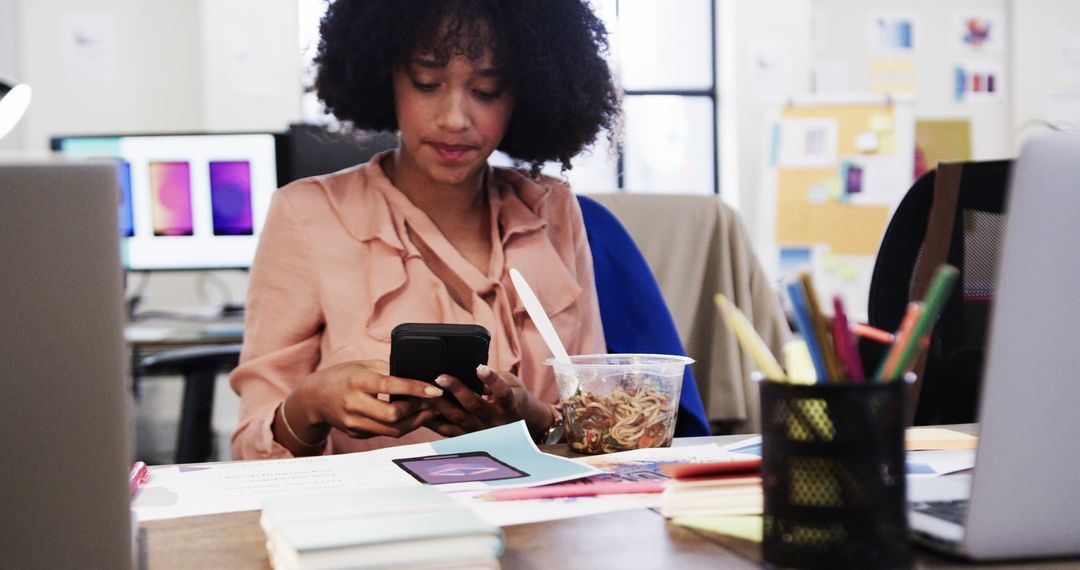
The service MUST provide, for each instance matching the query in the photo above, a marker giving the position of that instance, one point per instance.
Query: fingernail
(483, 370)
(442, 381)
(433, 391)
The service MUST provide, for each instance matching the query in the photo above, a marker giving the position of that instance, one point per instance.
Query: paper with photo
(200, 489)
(979, 31)
(937, 463)
(807, 142)
(891, 32)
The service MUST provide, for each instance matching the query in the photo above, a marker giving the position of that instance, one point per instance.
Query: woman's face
(451, 117)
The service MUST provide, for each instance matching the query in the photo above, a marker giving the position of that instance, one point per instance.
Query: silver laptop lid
(64, 405)
(1025, 499)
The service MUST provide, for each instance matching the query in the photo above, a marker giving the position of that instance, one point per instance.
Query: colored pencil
(821, 329)
(797, 295)
(845, 342)
(914, 309)
(576, 490)
(749, 339)
(942, 284)
(873, 333)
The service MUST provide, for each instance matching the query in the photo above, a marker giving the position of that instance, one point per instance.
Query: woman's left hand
(505, 400)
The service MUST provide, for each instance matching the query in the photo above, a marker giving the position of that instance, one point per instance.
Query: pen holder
(833, 475)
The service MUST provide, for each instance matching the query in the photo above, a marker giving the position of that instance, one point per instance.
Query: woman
(427, 232)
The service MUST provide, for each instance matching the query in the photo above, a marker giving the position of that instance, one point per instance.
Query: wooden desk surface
(628, 539)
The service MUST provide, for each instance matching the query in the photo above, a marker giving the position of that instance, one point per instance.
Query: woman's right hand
(346, 397)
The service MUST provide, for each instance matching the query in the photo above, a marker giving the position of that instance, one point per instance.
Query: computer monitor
(189, 201)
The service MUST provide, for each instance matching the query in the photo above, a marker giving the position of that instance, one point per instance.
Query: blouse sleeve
(282, 328)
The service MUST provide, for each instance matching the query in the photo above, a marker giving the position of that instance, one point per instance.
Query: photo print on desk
(468, 467)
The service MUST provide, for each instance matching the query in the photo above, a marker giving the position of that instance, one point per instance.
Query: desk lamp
(13, 104)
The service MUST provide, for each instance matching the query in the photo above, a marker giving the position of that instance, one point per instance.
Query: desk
(627, 539)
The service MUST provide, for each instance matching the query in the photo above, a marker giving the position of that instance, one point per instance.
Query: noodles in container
(619, 402)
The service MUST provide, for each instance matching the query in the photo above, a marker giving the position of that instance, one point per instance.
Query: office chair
(954, 214)
(199, 366)
(632, 310)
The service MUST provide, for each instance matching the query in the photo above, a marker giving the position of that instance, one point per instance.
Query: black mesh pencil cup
(833, 475)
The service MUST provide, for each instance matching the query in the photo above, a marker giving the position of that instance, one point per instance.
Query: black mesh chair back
(966, 231)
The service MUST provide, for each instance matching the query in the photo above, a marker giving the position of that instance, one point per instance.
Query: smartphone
(423, 351)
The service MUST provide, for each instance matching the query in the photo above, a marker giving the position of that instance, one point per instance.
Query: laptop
(1023, 498)
(64, 432)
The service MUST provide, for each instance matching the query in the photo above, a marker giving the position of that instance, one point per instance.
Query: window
(663, 57)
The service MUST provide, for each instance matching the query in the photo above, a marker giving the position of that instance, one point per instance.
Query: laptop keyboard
(952, 511)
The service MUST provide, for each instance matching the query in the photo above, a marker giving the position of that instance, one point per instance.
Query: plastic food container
(619, 402)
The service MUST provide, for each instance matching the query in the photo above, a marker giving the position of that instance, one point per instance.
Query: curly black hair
(550, 54)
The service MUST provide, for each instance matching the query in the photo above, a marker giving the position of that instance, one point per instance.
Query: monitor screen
(189, 201)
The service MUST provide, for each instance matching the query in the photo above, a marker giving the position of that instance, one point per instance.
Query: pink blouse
(346, 257)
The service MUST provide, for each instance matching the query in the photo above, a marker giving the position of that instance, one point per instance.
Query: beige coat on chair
(697, 246)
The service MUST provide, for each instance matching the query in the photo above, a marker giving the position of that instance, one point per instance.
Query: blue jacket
(632, 310)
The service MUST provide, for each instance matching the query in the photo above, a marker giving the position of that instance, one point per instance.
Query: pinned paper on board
(768, 70)
(807, 142)
(851, 176)
(891, 32)
(978, 81)
(979, 32)
(866, 142)
(795, 260)
(89, 48)
(830, 217)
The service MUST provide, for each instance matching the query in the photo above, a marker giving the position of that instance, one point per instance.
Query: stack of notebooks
(723, 488)
(408, 527)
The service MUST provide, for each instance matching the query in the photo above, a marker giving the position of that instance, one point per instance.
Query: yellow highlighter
(749, 339)
(797, 361)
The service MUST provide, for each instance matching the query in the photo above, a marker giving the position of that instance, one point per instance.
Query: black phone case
(423, 351)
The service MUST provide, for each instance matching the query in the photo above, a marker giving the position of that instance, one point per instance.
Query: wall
(763, 60)
(157, 65)
(250, 64)
(9, 68)
(1046, 65)
(109, 66)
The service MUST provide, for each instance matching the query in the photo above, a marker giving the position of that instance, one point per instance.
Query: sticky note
(739, 526)
(847, 273)
(938, 439)
(833, 189)
(879, 123)
(830, 261)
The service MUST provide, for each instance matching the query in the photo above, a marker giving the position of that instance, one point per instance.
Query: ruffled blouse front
(344, 258)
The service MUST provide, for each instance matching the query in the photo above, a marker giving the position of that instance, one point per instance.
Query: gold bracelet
(554, 433)
(285, 420)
